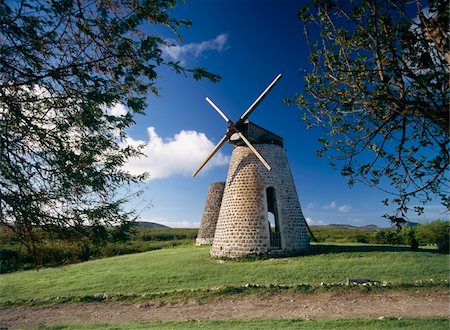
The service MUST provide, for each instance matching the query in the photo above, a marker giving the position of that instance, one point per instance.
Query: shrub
(362, 239)
(431, 233)
(387, 236)
(436, 232)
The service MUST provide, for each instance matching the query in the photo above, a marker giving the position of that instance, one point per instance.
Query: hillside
(150, 225)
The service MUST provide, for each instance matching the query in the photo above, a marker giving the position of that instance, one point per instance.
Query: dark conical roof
(255, 134)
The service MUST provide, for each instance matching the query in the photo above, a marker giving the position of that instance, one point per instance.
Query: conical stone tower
(253, 196)
(260, 211)
(210, 214)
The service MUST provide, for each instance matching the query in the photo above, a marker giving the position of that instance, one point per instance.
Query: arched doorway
(272, 216)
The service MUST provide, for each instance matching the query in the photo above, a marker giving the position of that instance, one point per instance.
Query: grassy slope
(191, 267)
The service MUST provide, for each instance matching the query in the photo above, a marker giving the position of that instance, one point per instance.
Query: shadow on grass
(330, 248)
(335, 248)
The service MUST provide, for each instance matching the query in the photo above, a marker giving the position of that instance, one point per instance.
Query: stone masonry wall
(242, 227)
(210, 214)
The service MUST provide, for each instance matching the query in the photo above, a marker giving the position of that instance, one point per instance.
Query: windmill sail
(233, 128)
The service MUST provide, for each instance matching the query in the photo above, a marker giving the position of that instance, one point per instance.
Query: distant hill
(338, 225)
(151, 225)
(341, 225)
(370, 227)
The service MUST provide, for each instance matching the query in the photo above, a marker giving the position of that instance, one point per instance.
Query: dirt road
(291, 305)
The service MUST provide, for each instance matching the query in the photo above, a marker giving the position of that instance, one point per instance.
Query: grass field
(189, 268)
(14, 257)
(388, 323)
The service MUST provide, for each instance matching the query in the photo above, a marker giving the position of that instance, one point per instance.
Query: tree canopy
(64, 65)
(379, 87)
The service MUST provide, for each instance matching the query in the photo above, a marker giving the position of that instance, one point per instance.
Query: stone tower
(210, 214)
(253, 196)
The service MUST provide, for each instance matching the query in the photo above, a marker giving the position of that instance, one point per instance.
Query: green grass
(188, 268)
(374, 324)
(14, 257)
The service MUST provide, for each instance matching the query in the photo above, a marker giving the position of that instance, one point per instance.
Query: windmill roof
(256, 135)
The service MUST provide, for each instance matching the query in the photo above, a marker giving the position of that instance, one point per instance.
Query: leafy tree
(387, 237)
(64, 63)
(431, 233)
(379, 86)
(408, 236)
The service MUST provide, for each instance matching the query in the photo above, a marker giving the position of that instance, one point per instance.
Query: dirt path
(292, 305)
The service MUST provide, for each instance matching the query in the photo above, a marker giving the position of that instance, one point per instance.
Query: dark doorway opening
(272, 215)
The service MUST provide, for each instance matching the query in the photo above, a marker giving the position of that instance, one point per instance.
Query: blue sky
(248, 43)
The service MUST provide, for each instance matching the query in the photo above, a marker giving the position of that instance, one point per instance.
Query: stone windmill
(259, 190)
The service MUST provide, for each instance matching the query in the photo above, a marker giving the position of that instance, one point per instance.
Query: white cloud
(340, 208)
(196, 49)
(357, 221)
(312, 222)
(344, 208)
(312, 205)
(330, 206)
(179, 155)
(117, 110)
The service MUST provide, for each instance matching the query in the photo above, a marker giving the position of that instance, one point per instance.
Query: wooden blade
(218, 110)
(260, 98)
(257, 154)
(216, 148)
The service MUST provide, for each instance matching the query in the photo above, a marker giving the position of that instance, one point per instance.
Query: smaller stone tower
(210, 214)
